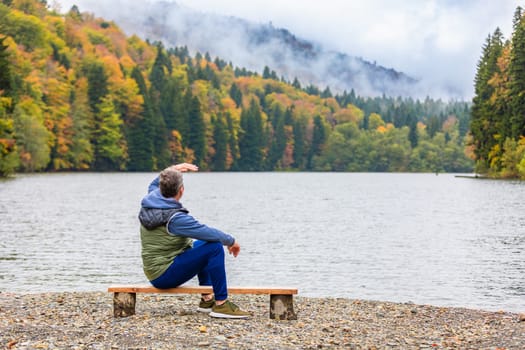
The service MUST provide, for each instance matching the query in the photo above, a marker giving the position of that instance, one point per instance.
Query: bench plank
(185, 289)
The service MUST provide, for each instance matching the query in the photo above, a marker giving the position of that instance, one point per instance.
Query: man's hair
(170, 182)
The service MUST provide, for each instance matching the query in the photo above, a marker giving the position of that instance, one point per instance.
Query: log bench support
(281, 299)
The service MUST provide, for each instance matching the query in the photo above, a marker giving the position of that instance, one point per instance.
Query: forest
(498, 107)
(77, 94)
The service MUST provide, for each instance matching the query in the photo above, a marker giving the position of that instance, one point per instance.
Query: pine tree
(278, 140)
(517, 76)
(6, 75)
(236, 95)
(318, 140)
(160, 70)
(220, 136)
(251, 140)
(483, 121)
(197, 131)
(299, 145)
(98, 83)
(140, 134)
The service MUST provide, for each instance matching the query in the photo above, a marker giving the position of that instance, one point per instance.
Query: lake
(422, 238)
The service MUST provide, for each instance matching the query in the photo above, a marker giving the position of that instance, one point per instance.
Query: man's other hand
(234, 249)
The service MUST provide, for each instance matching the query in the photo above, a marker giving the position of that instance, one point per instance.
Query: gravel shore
(85, 321)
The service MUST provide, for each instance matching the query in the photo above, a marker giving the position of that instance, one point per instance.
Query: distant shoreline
(85, 320)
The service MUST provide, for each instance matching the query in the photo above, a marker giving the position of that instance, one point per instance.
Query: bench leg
(124, 304)
(281, 307)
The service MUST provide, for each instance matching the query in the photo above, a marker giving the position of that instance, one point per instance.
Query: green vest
(159, 249)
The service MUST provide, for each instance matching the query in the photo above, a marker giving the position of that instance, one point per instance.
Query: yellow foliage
(127, 63)
(495, 156)
(349, 114)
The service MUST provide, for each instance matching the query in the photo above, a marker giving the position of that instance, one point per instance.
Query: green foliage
(219, 160)
(27, 30)
(98, 83)
(251, 141)
(109, 144)
(8, 152)
(32, 138)
(197, 131)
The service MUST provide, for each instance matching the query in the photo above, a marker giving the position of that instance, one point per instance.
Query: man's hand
(183, 167)
(234, 249)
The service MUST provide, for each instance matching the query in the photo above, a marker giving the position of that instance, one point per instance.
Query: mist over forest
(257, 45)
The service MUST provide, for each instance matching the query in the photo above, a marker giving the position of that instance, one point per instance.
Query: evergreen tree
(220, 136)
(412, 134)
(140, 133)
(318, 140)
(299, 145)
(278, 141)
(251, 139)
(6, 75)
(236, 95)
(266, 73)
(160, 70)
(483, 126)
(517, 76)
(98, 83)
(197, 131)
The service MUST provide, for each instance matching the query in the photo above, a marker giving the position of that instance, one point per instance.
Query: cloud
(438, 41)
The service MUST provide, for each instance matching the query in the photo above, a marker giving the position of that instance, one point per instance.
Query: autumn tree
(109, 143)
(32, 137)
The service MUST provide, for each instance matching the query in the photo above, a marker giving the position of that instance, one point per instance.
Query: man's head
(170, 182)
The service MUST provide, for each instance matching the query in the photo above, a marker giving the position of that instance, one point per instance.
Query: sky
(438, 41)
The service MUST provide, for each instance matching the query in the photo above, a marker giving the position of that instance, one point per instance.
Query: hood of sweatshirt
(155, 199)
(156, 210)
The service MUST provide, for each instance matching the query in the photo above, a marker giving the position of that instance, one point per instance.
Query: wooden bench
(281, 299)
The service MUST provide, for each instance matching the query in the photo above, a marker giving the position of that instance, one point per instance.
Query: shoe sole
(219, 315)
(204, 309)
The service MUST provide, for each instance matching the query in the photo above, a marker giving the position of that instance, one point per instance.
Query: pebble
(85, 321)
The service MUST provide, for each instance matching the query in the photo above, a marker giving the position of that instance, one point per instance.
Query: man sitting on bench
(170, 256)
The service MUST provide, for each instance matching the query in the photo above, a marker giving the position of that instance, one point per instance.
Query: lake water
(420, 238)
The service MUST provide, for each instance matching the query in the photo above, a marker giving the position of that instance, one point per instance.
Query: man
(170, 256)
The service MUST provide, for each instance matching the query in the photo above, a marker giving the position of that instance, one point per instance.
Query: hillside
(76, 93)
(254, 46)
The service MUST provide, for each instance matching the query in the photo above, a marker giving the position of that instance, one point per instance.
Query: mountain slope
(254, 46)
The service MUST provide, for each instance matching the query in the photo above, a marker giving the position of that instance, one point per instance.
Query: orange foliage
(450, 123)
(381, 129)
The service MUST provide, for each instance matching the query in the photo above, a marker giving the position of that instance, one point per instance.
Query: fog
(436, 42)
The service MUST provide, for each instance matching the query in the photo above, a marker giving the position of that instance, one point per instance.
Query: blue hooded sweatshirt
(157, 210)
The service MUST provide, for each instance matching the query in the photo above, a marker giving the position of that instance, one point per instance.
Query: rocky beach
(84, 320)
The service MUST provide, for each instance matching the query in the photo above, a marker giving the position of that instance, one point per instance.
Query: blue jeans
(205, 260)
